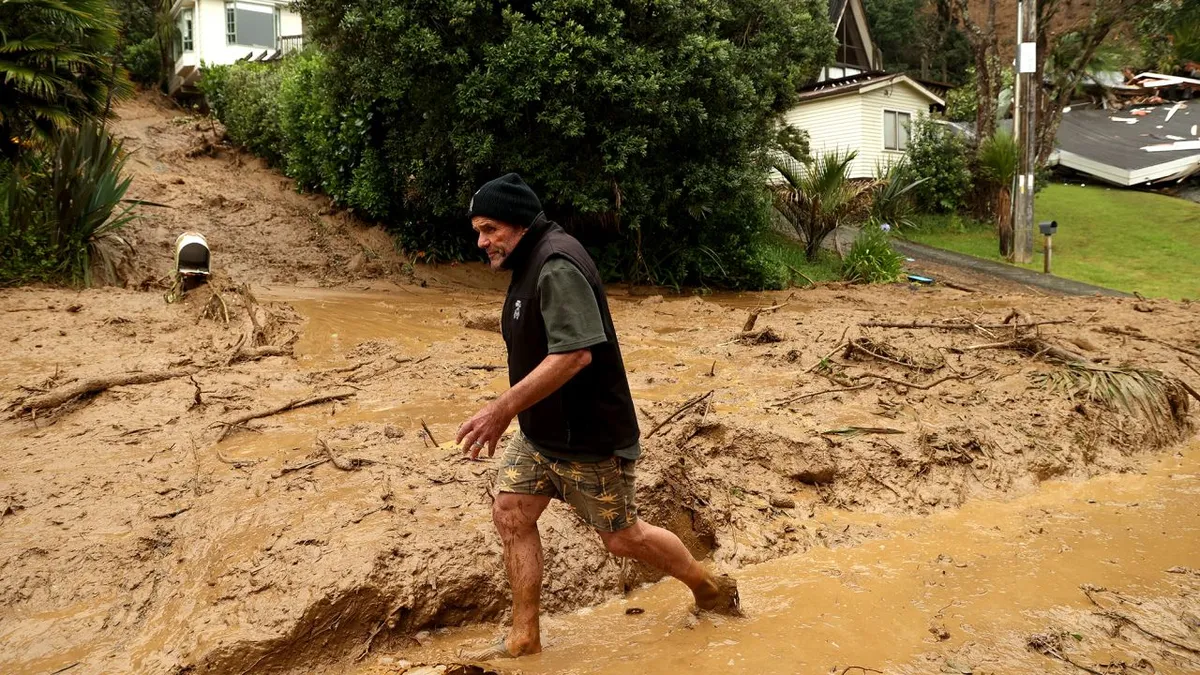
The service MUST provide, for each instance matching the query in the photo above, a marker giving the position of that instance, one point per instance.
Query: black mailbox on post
(1048, 228)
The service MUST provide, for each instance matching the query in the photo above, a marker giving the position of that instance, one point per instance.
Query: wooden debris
(762, 337)
(291, 405)
(1139, 336)
(428, 433)
(682, 409)
(750, 321)
(959, 325)
(819, 393)
(884, 352)
(1030, 345)
(352, 464)
(96, 385)
(931, 385)
(244, 353)
(858, 431)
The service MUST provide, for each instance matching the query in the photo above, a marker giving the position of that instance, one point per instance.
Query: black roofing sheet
(1094, 135)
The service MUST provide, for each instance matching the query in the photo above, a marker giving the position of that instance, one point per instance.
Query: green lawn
(1123, 239)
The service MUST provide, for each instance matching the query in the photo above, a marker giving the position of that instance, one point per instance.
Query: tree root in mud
(298, 403)
(882, 351)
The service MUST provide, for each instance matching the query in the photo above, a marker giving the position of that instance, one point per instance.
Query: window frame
(901, 120)
(188, 31)
(231, 27)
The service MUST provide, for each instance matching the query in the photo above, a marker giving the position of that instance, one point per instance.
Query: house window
(895, 130)
(186, 30)
(251, 24)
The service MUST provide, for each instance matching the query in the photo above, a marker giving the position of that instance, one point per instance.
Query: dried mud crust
(276, 501)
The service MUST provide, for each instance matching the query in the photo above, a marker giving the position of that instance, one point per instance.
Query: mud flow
(259, 477)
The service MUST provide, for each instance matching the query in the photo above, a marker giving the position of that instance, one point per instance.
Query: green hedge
(641, 127)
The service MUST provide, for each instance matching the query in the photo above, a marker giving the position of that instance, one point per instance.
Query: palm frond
(1136, 391)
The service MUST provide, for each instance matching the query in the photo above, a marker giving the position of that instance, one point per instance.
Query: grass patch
(787, 254)
(1122, 239)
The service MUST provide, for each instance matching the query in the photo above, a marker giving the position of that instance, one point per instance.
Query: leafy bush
(245, 97)
(60, 215)
(941, 158)
(640, 125)
(871, 258)
(143, 62)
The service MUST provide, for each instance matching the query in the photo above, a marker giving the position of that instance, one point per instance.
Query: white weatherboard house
(218, 32)
(854, 105)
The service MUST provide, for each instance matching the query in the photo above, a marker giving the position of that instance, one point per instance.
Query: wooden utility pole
(1026, 133)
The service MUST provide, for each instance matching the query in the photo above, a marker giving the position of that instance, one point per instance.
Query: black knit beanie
(507, 199)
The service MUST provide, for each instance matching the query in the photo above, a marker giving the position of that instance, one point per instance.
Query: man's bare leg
(515, 517)
(662, 549)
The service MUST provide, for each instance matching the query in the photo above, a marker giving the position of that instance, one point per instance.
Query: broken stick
(958, 325)
(1128, 333)
(291, 405)
(682, 409)
(818, 393)
(931, 385)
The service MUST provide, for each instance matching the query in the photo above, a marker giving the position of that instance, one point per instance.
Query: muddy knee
(511, 515)
(624, 543)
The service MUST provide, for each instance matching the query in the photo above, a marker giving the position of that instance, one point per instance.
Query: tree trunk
(986, 52)
(1003, 216)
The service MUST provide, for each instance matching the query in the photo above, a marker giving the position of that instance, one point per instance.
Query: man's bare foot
(719, 594)
(503, 648)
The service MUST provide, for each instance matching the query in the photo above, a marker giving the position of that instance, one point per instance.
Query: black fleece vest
(593, 412)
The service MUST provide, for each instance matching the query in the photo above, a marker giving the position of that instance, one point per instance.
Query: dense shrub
(144, 62)
(245, 97)
(940, 157)
(641, 126)
(871, 258)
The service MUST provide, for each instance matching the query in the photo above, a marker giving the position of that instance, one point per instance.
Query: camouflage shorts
(600, 492)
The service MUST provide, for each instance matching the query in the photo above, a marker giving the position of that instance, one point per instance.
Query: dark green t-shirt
(572, 317)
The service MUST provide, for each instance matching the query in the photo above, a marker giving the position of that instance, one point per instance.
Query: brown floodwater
(990, 572)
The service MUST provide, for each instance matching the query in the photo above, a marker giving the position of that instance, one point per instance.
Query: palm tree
(998, 159)
(55, 68)
(817, 195)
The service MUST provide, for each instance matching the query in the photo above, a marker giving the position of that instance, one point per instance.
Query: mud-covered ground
(143, 528)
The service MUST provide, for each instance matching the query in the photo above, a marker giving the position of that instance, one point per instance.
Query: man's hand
(484, 429)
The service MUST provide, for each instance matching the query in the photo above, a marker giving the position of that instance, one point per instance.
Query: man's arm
(489, 423)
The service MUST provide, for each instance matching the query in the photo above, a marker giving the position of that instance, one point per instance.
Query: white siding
(210, 31)
(832, 124)
(898, 97)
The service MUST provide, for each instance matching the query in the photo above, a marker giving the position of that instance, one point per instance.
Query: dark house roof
(836, 7)
(1103, 143)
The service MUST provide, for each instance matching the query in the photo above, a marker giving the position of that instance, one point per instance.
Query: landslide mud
(143, 532)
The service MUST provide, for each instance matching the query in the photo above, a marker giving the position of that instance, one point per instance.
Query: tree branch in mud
(819, 393)
(1120, 619)
(352, 464)
(298, 403)
(1138, 336)
(96, 385)
(841, 343)
(959, 326)
(931, 385)
(884, 352)
(682, 409)
(1030, 345)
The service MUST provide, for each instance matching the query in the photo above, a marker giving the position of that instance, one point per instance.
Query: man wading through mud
(578, 438)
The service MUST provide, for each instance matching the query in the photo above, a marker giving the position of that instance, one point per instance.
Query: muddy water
(990, 572)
